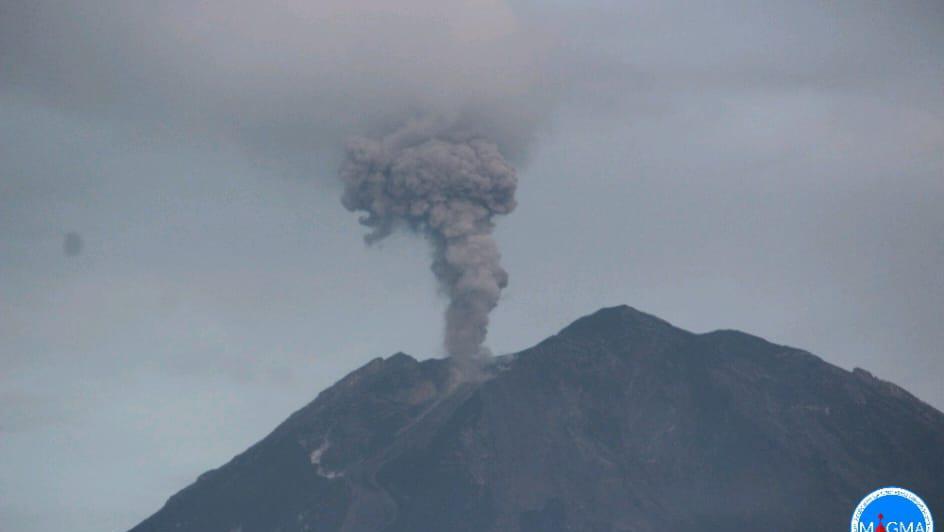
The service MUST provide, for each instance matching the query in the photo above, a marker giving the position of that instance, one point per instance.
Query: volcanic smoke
(447, 186)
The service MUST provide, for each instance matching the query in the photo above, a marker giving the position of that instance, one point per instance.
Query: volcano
(620, 422)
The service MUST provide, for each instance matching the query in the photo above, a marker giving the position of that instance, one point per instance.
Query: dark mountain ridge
(620, 422)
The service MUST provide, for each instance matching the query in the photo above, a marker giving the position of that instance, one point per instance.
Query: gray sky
(772, 167)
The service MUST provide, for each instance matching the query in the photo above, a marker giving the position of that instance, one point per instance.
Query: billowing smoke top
(447, 185)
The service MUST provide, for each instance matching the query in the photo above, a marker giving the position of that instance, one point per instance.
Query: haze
(777, 169)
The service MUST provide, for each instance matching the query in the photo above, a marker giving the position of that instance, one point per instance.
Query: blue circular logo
(892, 510)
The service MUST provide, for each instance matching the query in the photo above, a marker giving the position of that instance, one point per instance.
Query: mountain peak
(618, 323)
(400, 358)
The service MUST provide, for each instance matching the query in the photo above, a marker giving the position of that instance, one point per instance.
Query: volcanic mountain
(620, 422)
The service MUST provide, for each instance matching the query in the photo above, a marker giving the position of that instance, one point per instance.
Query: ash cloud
(290, 82)
(447, 185)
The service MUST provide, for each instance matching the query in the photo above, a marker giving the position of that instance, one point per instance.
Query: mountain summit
(620, 422)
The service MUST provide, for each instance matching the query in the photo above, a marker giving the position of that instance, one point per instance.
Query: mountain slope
(620, 422)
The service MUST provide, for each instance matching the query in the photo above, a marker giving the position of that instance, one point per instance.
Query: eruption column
(448, 187)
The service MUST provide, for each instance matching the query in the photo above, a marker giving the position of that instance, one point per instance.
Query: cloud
(283, 75)
(773, 167)
(291, 80)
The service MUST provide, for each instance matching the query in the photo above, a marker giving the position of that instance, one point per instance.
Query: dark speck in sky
(72, 245)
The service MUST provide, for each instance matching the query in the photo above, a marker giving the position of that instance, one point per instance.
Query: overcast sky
(773, 167)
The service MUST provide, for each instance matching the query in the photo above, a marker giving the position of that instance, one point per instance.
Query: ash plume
(447, 186)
